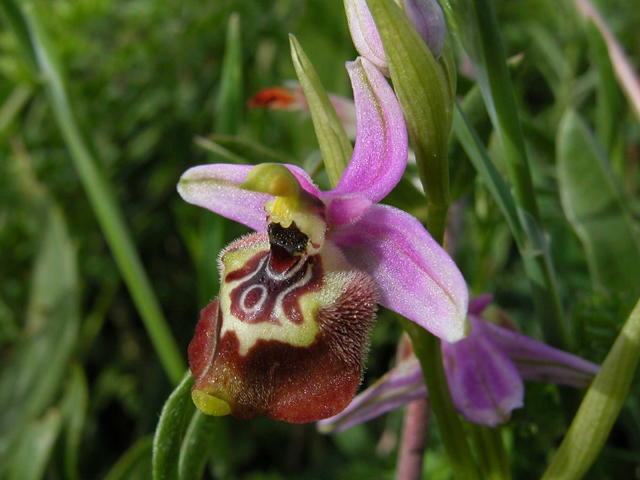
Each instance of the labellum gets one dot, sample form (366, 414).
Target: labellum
(287, 336)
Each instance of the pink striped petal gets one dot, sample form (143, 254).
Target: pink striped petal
(401, 385)
(345, 210)
(414, 275)
(380, 153)
(484, 382)
(215, 187)
(539, 362)
(365, 34)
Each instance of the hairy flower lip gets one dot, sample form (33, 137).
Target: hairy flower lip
(286, 378)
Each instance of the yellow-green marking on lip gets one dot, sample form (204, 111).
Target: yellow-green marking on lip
(210, 405)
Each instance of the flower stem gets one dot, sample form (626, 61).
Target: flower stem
(490, 451)
(427, 349)
(414, 440)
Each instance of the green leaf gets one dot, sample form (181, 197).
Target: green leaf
(35, 447)
(32, 37)
(424, 88)
(172, 425)
(230, 101)
(593, 204)
(134, 464)
(198, 445)
(334, 144)
(601, 405)
(74, 409)
(31, 379)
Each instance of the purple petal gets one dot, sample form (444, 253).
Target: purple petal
(485, 384)
(364, 33)
(428, 19)
(345, 210)
(538, 362)
(401, 385)
(480, 303)
(215, 187)
(414, 275)
(380, 154)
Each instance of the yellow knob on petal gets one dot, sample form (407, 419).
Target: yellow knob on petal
(210, 405)
(274, 179)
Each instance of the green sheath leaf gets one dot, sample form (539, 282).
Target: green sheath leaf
(334, 144)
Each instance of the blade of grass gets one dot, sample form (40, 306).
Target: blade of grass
(624, 71)
(477, 28)
(217, 149)
(601, 405)
(609, 108)
(74, 408)
(137, 453)
(499, 189)
(103, 201)
(252, 151)
(229, 102)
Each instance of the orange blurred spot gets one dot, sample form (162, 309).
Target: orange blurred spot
(272, 97)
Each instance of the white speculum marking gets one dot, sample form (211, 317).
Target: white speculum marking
(296, 332)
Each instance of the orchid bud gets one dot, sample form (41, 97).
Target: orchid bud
(425, 15)
(288, 334)
(428, 19)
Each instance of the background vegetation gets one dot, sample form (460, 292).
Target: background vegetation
(81, 385)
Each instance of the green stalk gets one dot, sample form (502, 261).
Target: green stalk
(103, 201)
(427, 348)
(425, 87)
(490, 452)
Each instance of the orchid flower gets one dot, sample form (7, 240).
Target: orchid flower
(484, 372)
(291, 98)
(287, 336)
